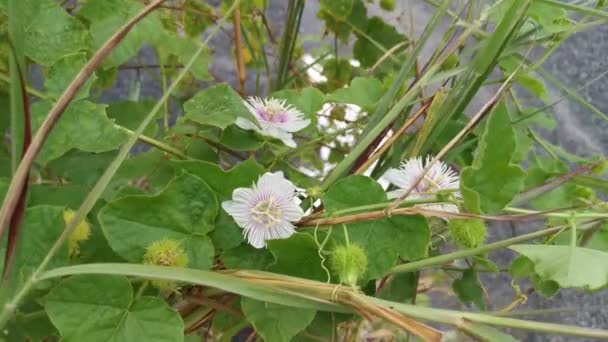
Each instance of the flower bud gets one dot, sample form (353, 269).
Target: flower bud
(468, 233)
(349, 263)
(82, 232)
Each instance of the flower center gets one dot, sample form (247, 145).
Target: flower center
(267, 212)
(426, 186)
(273, 114)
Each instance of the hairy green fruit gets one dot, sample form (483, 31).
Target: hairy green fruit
(468, 233)
(349, 263)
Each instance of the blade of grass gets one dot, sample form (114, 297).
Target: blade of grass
(19, 179)
(16, 69)
(295, 9)
(226, 282)
(298, 292)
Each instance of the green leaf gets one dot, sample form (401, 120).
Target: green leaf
(194, 22)
(82, 126)
(226, 234)
(146, 172)
(184, 49)
(3, 188)
(338, 8)
(5, 120)
(365, 92)
(402, 287)
(468, 289)
(351, 192)
(297, 256)
(217, 106)
(63, 71)
(102, 308)
(246, 257)
(522, 267)
(50, 32)
(526, 80)
(130, 114)
(69, 195)
(382, 239)
(276, 322)
(238, 139)
(185, 211)
(341, 26)
(41, 227)
(81, 168)
(492, 181)
(568, 266)
(379, 37)
(106, 17)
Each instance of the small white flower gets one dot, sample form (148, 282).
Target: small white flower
(265, 211)
(439, 178)
(275, 117)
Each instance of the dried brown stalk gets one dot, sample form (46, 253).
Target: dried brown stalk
(238, 47)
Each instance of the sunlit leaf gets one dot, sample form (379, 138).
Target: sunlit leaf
(217, 106)
(492, 181)
(84, 126)
(568, 266)
(51, 33)
(185, 211)
(364, 92)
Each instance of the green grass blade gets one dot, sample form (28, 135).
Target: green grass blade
(217, 280)
(576, 8)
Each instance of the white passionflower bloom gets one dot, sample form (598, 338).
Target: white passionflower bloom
(440, 177)
(275, 117)
(265, 211)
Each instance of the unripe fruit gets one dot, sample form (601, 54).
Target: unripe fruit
(349, 263)
(468, 233)
(387, 5)
(165, 252)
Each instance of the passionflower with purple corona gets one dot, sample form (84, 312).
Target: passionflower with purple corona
(275, 118)
(440, 177)
(266, 211)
